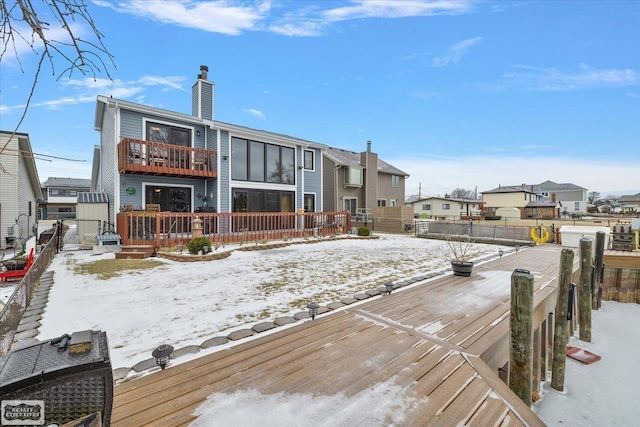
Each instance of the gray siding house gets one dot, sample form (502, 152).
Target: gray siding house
(61, 195)
(191, 163)
(358, 182)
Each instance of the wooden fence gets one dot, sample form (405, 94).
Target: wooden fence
(164, 229)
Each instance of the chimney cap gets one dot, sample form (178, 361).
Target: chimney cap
(204, 68)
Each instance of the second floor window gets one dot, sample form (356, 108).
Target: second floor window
(261, 162)
(166, 134)
(395, 180)
(446, 206)
(308, 160)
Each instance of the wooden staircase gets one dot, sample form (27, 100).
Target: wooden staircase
(135, 252)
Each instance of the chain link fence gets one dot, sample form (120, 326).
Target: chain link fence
(20, 299)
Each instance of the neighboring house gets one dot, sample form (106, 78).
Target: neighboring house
(446, 208)
(19, 187)
(61, 195)
(630, 203)
(358, 182)
(512, 196)
(546, 200)
(573, 198)
(187, 163)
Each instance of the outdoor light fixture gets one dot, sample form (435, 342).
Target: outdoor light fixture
(225, 157)
(162, 354)
(313, 310)
(198, 133)
(500, 253)
(389, 287)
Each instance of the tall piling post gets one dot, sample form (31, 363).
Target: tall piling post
(584, 289)
(521, 335)
(596, 299)
(560, 336)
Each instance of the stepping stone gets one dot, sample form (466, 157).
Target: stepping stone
(144, 365)
(335, 305)
(281, 321)
(33, 312)
(215, 341)
(190, 349)
(373, 292)
(39, 299)
(120, 373)
(361, 297)
(24, 343)
(26, 326)
(348, 300)
(31, 318)
(301, 315)
(37, 306)
(264, 326)
(323, 310)
(31, 333)
(238, 335)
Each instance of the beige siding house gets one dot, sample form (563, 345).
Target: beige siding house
(507, 197)
(446, 208)
(359, 182)
(19, 188)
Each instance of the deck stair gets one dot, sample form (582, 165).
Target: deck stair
(135, 252)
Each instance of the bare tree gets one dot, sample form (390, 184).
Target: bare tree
(461, 193)
(592, 196)
(24, 22)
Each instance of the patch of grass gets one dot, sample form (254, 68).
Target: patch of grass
(108, 268)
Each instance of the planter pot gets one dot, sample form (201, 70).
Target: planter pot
(462, 268)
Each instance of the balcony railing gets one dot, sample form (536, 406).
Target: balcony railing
(165, 229)
(155, 158)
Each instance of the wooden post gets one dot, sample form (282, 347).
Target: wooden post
(584, 290)
(560, 337)
(521, 331)
(599, 257)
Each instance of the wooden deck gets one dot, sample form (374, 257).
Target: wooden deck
(441, 342)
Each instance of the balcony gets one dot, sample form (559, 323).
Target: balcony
(155, 158)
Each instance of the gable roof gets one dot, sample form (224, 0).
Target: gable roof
(630, 198)
(351, 158)
(449, 199)
(511, 189)
(54, 181)
(553, 186)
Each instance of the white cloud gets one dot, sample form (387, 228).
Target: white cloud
(555, 79)
(455, 52)
(218, 17)
(257, 113)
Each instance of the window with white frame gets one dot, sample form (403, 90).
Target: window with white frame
(392, 202)
(350, 204)
(353, 177)
(426, 206)
(308, 160)
(446, 206)
(395, 180)
(382, 203)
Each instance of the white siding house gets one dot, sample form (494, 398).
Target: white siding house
(19, 188)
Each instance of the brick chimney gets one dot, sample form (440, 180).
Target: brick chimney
(202, 93)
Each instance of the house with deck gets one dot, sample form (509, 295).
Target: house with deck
(154, 163)
(20, 190)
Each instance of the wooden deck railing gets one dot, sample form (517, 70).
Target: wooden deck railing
(155, 158)
(164, 229)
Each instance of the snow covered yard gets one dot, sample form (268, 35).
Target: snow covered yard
(186, 303)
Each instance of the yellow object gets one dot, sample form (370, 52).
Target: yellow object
(637, 241)
(540, 234)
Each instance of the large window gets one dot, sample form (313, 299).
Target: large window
(254, 200)
(167, 134)
(353, 177)
(261, 162)
(171, 199)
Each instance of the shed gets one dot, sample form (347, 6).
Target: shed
(508, 213)
(571, 234)
(92, 215)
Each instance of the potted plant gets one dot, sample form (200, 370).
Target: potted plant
(462, 251)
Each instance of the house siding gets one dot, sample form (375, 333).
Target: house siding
(109, 162)
(8, 186)
(328, 185)
(223, 172)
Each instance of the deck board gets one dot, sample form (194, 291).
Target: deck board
(421, 338)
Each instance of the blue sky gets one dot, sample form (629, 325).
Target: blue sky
(470, 94)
